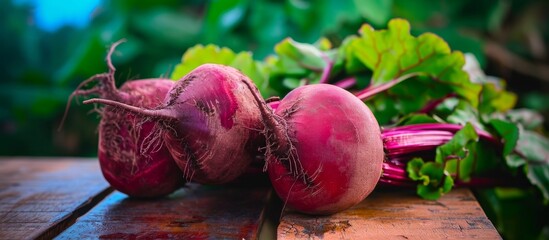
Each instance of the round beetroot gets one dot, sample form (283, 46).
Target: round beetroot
(325, 151)
(133, 159)
(209, 123)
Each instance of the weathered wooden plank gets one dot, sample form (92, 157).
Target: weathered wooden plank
(40, 197)
(195, 212)
(396, 215)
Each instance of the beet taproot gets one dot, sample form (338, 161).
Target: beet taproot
(209, 123)
(324, 149)
(133, 159)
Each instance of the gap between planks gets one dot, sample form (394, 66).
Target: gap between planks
(69, 220)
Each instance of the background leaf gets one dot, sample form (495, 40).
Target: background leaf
(378, 12)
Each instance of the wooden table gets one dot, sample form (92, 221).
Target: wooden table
(44, 198)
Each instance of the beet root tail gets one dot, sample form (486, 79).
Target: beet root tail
(153, 113)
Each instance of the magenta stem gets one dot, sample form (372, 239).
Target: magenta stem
(346, 83)
(404, 142)
(327, 70)
(450, 127)
(373, 90)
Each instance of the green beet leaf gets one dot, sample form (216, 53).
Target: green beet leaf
(413, 169)
(456, 147)
(394, 55)
(527, 118)
(532, 150)
(463, 113)
(508, 132)
(458, 155)
(242, 61)
(494, 97)
(432, 192)
(434, 181)
(305, 55)
(538, 174)
(295, 64)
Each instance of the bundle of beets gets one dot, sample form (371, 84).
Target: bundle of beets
(320, 144)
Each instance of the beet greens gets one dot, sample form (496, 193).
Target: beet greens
(443, 122)
(407, 80)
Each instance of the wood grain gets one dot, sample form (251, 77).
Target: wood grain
(195, 212)
(40, 197)
(396, 215)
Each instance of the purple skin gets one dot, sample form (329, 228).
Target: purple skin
(209, 123)
(324, 149)
(132, 160)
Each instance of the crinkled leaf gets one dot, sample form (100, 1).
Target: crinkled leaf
(416, 94)
(532, 152)
(533, 149)
(432, 192)
(439, 183)
(199, 55)
(413, 169)
(463, 113)
(353, 65)
(256, 71)
(285, 66)
(393, 53)
(306, 55)
(457, 155)
(456, 147)
(242, 61)
(538, 174)
(514, 160)
(301, 63)
(406, 98)
(508, 132)
(527, 118)
(428, 192)
(496, 99)
(434, 180)
(533, 146)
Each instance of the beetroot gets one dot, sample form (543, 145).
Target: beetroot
(209, 123)
(324, 149)
(132, 159)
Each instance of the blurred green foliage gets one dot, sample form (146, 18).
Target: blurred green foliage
(40, 69)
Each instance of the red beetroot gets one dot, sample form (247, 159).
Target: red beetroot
(324, 149)
(209, 123)
(133, 159)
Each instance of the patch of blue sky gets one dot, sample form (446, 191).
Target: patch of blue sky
(51, 15)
